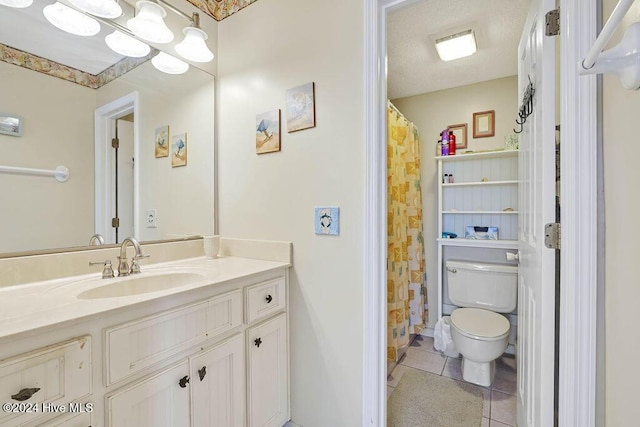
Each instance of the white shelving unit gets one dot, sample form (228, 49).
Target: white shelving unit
(484, 193)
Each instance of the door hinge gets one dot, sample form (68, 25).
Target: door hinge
(115, 222)
(552, 22)
(115, 143)
(552, 235)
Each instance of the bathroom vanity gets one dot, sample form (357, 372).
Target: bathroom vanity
(190, 342)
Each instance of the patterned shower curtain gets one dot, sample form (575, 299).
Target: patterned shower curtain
(406, 280)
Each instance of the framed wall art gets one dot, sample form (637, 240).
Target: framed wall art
(179, 150)
(301, 107)
(162, 141)
(268, 132)
(484, 124)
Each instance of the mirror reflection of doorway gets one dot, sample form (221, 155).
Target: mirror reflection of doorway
(116, 171)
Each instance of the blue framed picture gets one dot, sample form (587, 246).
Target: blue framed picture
(327, 221)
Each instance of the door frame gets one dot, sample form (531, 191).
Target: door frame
(577, 382)
(104, 188)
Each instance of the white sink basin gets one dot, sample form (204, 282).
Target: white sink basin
(140, 284)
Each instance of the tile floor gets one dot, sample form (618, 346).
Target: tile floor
(499, 409)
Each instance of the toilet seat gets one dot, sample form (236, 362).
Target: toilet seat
(480, 324)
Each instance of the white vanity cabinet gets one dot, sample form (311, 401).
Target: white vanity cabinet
(224, 372)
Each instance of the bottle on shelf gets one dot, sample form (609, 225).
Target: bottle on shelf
(445, 143)
(452, 144)
(439, 148)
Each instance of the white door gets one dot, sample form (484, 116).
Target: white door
(536, 288)
(125, 179)
(217, 385)
(267, 373)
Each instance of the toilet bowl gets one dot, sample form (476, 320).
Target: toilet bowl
(479, 332)
(480, 336)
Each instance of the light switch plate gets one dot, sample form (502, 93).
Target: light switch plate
(152, 218)
(327, 221)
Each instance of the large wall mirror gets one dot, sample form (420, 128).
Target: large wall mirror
(159, 194)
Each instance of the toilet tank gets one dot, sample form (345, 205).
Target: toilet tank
(483, 285)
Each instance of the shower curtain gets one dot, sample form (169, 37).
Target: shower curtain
(406, 280)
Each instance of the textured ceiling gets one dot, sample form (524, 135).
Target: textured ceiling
(413, 64)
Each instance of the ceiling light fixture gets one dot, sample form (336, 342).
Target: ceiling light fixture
(193, 47)
(456, 45)
(148, 23)
(70, 20)
(18, 4)
(126, 45)
(102, 8)
(169, 64)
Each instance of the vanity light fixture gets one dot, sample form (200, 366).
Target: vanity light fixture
(148, 24)
(126, 45)
(102, 8)
(18, 4)
(456, 45)
(193, 46)
(70, 20)
(169, 64)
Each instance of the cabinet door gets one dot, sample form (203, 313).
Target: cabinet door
(159, 401)
(217, 385)
(268, 373)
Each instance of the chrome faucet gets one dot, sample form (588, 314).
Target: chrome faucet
(96, 238)
(123, 265)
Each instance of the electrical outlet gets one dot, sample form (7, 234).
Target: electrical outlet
(152, 218)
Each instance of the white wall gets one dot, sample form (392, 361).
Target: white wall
(622, 203)
(265, 49)
(432, 113)
(40, 212)
(182, 196)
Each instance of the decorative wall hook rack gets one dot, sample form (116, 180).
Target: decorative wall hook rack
(526, 108)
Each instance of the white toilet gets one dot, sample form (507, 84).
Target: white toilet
(480, 334)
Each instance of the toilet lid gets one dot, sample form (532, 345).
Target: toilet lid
(479, 322)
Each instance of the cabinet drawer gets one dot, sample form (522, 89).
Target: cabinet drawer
(265, 299)
(134, 346)
(61, 373)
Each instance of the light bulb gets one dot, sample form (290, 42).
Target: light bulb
(102, 8)
(70, 20)
(18, 4)
(148, 23)
(126, 45)
(193, 46)
(169, 64)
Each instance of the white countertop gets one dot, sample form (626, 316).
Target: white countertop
(37, 305)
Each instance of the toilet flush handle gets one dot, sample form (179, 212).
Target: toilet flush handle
(452, 270)
(513, 257)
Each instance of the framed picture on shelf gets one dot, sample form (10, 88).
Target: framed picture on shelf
(460, 132)
(484, 124)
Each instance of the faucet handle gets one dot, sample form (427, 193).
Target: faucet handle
(107, 273)
(135, 267)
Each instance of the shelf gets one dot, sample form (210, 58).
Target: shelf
(480, 212)
(496, 244)
(478, 156)
(469, 184)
